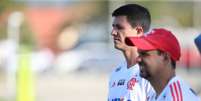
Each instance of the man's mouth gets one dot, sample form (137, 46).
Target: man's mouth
(116, 38)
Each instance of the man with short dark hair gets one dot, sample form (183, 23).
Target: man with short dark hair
(125, 82)
(158, 52)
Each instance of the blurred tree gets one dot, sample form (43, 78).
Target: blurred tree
(165, 12)
(4, 5)
(26, 36)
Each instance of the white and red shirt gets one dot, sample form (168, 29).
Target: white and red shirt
(127, 85)
(175, 90)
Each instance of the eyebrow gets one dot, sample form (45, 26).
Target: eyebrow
(117, 25)
(114, 25)
(142, 52)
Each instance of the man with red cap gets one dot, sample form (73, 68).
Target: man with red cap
(158, 52)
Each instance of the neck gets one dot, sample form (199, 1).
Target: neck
(130, 53)
(161, 80)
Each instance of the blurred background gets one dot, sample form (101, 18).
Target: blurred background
(61, 50)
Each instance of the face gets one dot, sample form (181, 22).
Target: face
(150, 62)
(121, 30)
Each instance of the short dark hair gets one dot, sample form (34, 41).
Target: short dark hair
(136, 15)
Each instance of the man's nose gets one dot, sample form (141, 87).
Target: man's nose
(114, 32)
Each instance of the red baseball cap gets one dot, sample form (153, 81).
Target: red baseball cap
(160, 39)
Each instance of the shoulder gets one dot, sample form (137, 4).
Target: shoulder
(178, 89)
(118, 69)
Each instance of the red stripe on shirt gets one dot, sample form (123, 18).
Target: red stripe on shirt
(181, 97)
(176, 90)
(171, 89)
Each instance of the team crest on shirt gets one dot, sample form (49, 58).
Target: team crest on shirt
(131, 83)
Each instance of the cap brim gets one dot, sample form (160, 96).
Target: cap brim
(140, 43)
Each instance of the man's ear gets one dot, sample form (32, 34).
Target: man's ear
(139, 30)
